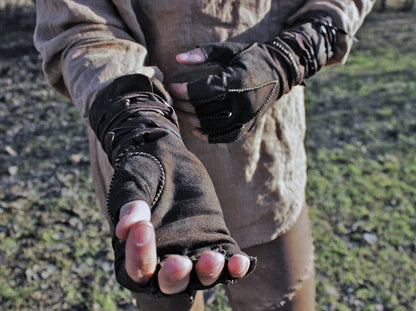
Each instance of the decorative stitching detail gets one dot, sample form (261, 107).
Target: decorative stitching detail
(287, 53)
(235, 128)
(207, 100)
(141, 154)
(159, 164)
(218, 116)
(253, 88)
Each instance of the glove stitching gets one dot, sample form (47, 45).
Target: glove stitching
(253, 87)
(239, 54)
(218, 116)
(162, 176)
(285, 51)
(160, 186)
(266, 102)
(207, 100)
(239, 126)
(108, 210)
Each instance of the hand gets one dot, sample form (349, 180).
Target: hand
(168, 211)
(136, 229)
(226, 105)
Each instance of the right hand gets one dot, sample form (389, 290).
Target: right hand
(141, 256)
(165, 209)
(161, 201)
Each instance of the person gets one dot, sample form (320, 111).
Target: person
(199, 206)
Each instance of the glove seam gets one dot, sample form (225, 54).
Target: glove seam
(160, 186)
(253, 87)
(242, 90)
(286, 52)
(159, 164)
(255, 115)
(243, 52)
(207, 100)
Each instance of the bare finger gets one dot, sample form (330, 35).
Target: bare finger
(238, 265)
(196, 56)
(174, 274)
(141, 257)
(131, 213)
(179, 90)
(184, 106)
(209, 267)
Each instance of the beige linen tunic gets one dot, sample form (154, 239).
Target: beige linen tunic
(260, 179)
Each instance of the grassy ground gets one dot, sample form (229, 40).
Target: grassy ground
(362, 164)
(54, 249)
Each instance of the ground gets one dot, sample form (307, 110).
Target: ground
(54, 243)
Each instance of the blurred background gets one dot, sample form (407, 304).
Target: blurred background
(54, 244)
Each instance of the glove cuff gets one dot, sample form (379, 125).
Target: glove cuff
(310, 43)
(129, 107)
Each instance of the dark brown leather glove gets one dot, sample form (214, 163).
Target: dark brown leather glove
(138, 130)
(256, 75)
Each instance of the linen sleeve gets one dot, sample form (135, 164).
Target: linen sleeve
(87, 44)
(349, 15)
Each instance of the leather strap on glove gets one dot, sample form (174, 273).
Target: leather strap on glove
(256, 75)
(138, 130)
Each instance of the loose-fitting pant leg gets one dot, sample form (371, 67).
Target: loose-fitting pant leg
(284, 278)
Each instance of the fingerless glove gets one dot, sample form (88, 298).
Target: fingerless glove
(255, 75)
(138, 130)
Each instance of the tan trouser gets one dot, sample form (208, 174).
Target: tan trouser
(284, 278)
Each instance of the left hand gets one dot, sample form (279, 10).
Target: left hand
(224, 106)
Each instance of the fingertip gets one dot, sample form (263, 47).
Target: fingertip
(142, 233)
(179, 91)
(182, 57)
(174, 274)
(131, 213)
(175, 87)
(196, 56)
(238, 265)
(209, 267)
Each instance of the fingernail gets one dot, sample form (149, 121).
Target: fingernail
(196, 57)
(125, 210)
(142, 235)
(184, 56)
(246, 265)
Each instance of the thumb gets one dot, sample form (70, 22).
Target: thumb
(131, 213)
(141, 257)
(193, 57)
(221, 52)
